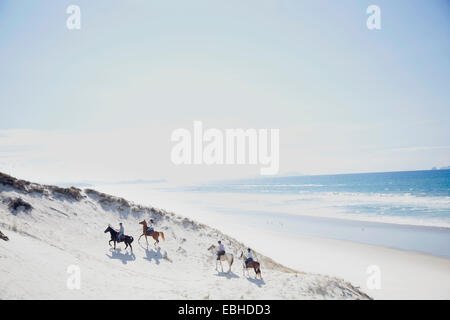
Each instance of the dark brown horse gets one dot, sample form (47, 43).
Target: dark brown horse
(155, 234)
(252, 264)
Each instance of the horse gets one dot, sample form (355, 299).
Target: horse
(155, 234)
(127, 239)
(225, 257)
(252, 264)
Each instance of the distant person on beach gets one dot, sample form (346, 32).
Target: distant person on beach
(221, 250)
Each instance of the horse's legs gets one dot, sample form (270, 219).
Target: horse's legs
(221, 265)
(128, 245)
(109, 243)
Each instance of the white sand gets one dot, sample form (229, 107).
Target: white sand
(403, 274)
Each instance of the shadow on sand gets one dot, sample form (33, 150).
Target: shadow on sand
(124, 257)
(151, 254)
(258, 282)
(228, 275)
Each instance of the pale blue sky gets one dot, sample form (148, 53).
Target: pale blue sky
(345, 98)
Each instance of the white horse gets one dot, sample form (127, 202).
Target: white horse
(225, 257)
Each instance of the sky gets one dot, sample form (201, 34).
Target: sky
(100, 103)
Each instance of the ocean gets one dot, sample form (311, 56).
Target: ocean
(412, 197)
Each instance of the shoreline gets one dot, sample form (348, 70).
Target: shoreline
(403, 274)
(434, 241)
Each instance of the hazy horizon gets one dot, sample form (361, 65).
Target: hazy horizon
(93, 183)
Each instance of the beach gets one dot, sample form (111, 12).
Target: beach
(412, 259)
(403, 274)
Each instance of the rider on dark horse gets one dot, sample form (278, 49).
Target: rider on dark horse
(249, 257)
(119, 236)
(150, 227)
(121, 232)
(221, 250)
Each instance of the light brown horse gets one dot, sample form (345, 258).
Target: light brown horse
(155, 234)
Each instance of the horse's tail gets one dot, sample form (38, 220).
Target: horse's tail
(232, 260)
(132, 239)
(162, 235)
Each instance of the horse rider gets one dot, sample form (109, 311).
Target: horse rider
(121, 232)
(249, 257)
(221, 250)
(150, 227)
